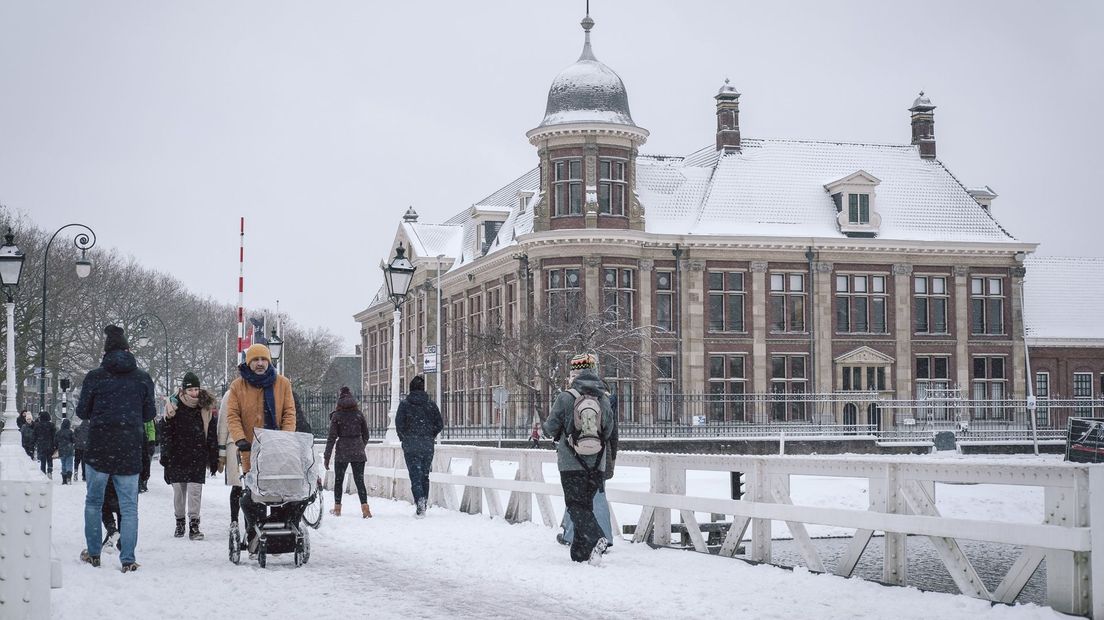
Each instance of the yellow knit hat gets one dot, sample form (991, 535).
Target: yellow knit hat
(256, 351)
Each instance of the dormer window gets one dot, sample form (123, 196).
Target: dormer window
(856, 205)
(567, 187)
(489, 232)
(611, 186)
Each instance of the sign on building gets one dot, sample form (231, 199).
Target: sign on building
(1085, 440)
(429, 359)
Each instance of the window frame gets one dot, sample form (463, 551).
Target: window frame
(567, 189)
(729, 298)
(613, 186)
(786, 301)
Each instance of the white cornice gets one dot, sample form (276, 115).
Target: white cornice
(1066, 342)
(638, 135)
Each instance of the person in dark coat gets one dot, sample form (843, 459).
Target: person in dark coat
(80, 444)
(25, 422)
(63, 439)
(116, 401)
(418, 422)
(44, 443)
(349, 430)
(189, 449)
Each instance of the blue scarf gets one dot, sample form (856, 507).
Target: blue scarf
(263, 382)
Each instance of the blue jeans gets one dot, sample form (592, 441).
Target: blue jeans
(66, 464)
(126, 487)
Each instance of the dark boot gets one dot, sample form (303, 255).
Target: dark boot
(179, 533)
(142, 486)
(193, 530)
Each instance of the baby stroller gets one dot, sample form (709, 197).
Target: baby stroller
(278, 488)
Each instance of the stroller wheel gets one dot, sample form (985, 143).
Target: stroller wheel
(235, 546)
(262, 553)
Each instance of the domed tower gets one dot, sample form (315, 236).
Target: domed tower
(587, 144)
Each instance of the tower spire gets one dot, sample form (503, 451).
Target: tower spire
(587, 24)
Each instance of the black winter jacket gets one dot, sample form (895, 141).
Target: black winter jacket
(116, 401)
(63, 439)
(44, 436)
(80, 437)
(418, 421)
(349, 430)
(188, 449)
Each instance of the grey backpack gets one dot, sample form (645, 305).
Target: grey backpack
(586, 436)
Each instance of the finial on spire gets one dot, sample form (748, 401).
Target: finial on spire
(587, 24)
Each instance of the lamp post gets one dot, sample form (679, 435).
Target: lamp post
(144, 340)
(276, 348)
(437, 340)
(11, 266)
(398, 275)
(84, 242)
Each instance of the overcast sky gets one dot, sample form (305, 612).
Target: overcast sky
(160, 123)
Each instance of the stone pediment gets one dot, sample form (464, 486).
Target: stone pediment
(864, 356)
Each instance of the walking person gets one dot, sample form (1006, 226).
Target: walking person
(418, 422)
(64, 440)
(189, 449)
(259, 398)
(44, 443)
(25, 422)
(582, 415)
(116, 401)
(534, 436)
(80, 444)
(228, 463)
(349, 430)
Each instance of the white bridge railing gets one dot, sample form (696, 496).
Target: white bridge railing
(901, 503)
(29, 567)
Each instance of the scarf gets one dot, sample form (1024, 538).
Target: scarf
(263, 382)
(188, 400)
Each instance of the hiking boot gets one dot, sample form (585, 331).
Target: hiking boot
(365, 511)
(94, 560)
(112, 542)
(193, 530)
(142, 486)
(421, 510)
(179, 533)
(598, 551)
(130, 567)
(336, 510)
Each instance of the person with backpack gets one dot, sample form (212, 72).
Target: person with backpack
(583, 417)
(417, 422)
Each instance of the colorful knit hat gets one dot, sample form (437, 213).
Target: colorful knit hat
(584, 361)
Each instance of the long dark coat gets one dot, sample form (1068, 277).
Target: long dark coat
(417, 422)
(63, 439)
(349, 430)
(80, 437)
(26, 435)
(44, 436)
(189, 446)
(116, 401)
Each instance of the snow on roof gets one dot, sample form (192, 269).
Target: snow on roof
(429, 240)
(1064, 297)
(776, 187)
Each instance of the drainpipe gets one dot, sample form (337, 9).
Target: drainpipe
(678, 252)
(811, 324)
(1031, 404)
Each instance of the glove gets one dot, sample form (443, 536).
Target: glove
(609, 468)
(243, 445)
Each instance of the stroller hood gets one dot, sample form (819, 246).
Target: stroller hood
(283, 466)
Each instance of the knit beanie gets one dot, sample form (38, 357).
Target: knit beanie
(257, 351)
(345, 401)
(115, 340)
(417, 383)
(583, 361)
(190, 380)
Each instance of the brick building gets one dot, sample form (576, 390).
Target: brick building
(756, 266)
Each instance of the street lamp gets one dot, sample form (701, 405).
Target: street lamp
(11, 266)
(276, 348)
(144, 341)
(83, 242)
(398, 275)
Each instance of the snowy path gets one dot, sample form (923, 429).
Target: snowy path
(449, 565)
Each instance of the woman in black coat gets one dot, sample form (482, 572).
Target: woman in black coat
(349, 430)
(189, 450)
(44, 443)
(26, 432)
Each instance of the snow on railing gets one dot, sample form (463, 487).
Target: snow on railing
(901, 503)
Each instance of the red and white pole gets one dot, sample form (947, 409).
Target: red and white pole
(241, 290)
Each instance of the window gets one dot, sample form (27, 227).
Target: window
(930, 304)
(788, 387)
(611, 186)
(988, 383)
(490, 231)
(457, 326)
(986, 306)
(619, 376)
(1042, 394)
(567, 187)
(853, 376)
(618, 295)
(726, 388)
(665, 302)
(665, 387)
(860, 304)
(1082, 390)
(787, 302)
(726, 301)
(494, 309)
(565, 297)
(475, 314)
(511, 309)
(858, 208)
(933, 385)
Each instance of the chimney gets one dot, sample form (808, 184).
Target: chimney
(728, 119)
(923, 126)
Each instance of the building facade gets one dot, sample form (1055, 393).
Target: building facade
(756, 275)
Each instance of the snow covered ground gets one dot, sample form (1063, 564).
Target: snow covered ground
(453, 565)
